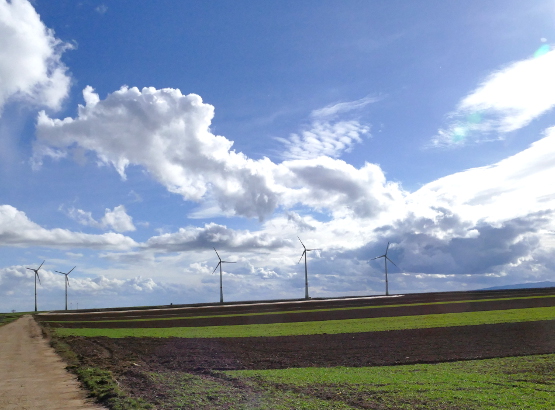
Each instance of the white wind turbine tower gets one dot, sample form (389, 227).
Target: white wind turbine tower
(305, 267)
(220, 265)
(36, 276)
(386, 258)
(67, 280)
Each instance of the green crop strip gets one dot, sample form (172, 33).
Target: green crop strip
(328, 326)
(506, 383)
(285, 312)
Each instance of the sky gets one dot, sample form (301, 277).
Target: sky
(137, 136)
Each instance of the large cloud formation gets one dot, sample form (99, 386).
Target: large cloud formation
(168, 133)
(30, 65)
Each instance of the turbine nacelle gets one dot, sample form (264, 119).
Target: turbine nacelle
(220, 262)
(67, 274)
(306, 250)
(37, 271)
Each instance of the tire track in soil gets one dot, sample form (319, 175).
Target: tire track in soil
(32, 375)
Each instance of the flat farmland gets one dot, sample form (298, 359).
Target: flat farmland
(328, 353)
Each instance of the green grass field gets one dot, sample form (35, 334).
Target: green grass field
(328, 326)
(507, 383)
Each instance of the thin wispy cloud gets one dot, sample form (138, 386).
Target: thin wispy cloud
(509, 99)
(324, 139)
(330, 133)
(333, 110)
(102, 9)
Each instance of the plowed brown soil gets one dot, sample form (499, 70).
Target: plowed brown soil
(354, 349)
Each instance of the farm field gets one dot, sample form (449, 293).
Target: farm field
(466, 350)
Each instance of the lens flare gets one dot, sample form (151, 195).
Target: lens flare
(474, 118)
(459, 133)
(544, 49)
(465, 127)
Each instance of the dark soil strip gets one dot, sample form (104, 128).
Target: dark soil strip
(322, 315)
(357, 349)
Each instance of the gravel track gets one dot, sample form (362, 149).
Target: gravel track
(32, 376)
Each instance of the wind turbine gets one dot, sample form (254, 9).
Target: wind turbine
(36, 276)
(220, 265)
(305, 267)
(386, 258)
(67, 280)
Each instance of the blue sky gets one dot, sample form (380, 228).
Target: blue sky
(136, 137)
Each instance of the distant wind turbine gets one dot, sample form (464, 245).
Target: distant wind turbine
(67, 280)
(305, 267)
(386, 258)
(36, 276)
(220, 265)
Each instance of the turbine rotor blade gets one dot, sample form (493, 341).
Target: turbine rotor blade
(36, 273)
(219, 263)
(378, 257)
(217, 254)
(391, 261)
(301, 257)
(386, 249)
(67, 280)
(41, 264)
(301, 242)
(29, 268)
(71, 270)
(228, 262)
(63, 273)
(315, 249)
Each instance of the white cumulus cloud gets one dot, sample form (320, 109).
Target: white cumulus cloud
(169, 134)
(16, 229)
(116, 219)
(30, 57)
(214, 235)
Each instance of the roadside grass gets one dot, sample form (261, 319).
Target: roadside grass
(327, 326)
(6, 318)
(507, 383)
(101, 384)
(285, 312)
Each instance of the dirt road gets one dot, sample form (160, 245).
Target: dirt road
(32, 376)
